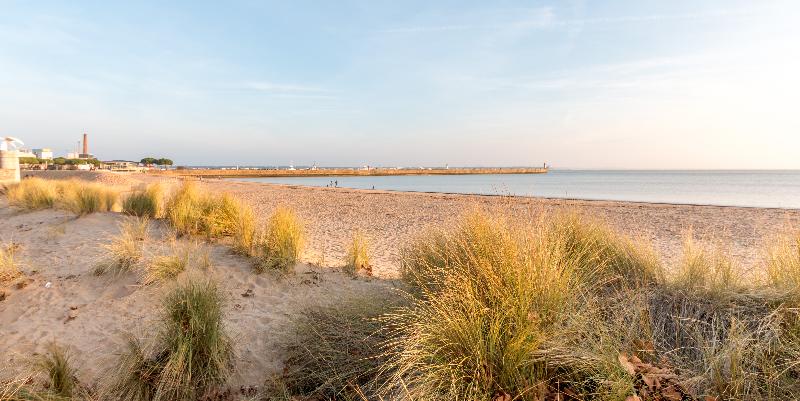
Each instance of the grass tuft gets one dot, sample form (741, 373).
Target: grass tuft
(32, 194)
(281, 242)
(357, 258)
(85, 198)
(76, 196)
(8, 266)
(783, 263)
(192, 352)
(193, 212)
(166, 267)
(55, 365)
(336, 352)
(125, 251)
(145, 202)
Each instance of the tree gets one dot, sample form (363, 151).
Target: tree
(29, 160)
(148, 161)
(60, 161)
(164, 162)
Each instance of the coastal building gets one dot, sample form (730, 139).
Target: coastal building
(43, 153)
(25, 153)
(9, 160)
(85, 154)
(122, 165)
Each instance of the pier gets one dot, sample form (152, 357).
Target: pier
(346, 172)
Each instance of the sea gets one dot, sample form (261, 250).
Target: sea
(746, 188)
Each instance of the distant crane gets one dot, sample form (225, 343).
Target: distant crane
(10, 143)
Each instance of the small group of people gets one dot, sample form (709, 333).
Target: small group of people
(333, 184)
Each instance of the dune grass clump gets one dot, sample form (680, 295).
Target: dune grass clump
(166, 267)
(783, 263)
(193, 212)
(336, 352)
(281, 242)
(124, 252)
(190, 354)
(145, 202)
(75, 196)
(56, 367)
(85, 198)
(505, 311)
(32, 194)
(8, 265)
(245, 234)
(357, 258)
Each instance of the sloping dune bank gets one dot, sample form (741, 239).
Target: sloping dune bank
(59, 298)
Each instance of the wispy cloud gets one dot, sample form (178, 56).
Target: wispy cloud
(529, 18)
(546, 18)
(289, 90)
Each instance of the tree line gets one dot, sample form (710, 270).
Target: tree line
(159, 162)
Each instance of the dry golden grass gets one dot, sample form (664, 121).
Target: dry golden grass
(357, 258)
(77, 196)
(282, 241)
(125, 252)
(193, 212)
(166, 267)
(783, 262)
(32, 194)
(8, 266)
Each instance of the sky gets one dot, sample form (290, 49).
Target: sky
(577, 84)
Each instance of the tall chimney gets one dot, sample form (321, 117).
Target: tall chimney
(85, 145)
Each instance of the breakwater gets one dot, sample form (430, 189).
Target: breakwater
(346, 172)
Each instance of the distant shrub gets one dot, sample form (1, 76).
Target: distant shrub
(357, 255)
(281, 242)
(145, 202)
(190, 354)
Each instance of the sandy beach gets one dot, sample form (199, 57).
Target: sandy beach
(94, 314)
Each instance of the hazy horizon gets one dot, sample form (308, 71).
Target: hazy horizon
(578, 85)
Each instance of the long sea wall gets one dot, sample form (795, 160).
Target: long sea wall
(345, 172)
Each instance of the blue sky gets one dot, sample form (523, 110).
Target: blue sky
(600, 84)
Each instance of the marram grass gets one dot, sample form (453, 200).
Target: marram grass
(190, 354)
(166, 267)
(357, 258)
(77, 196)
(8, 265)
(56, 367)
(281, 242)
(145, 202)
(548, 309)
(194, 212)
(125, 251)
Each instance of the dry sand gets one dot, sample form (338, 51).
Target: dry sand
(94, 314)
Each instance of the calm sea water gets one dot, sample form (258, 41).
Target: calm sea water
(725, 188)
